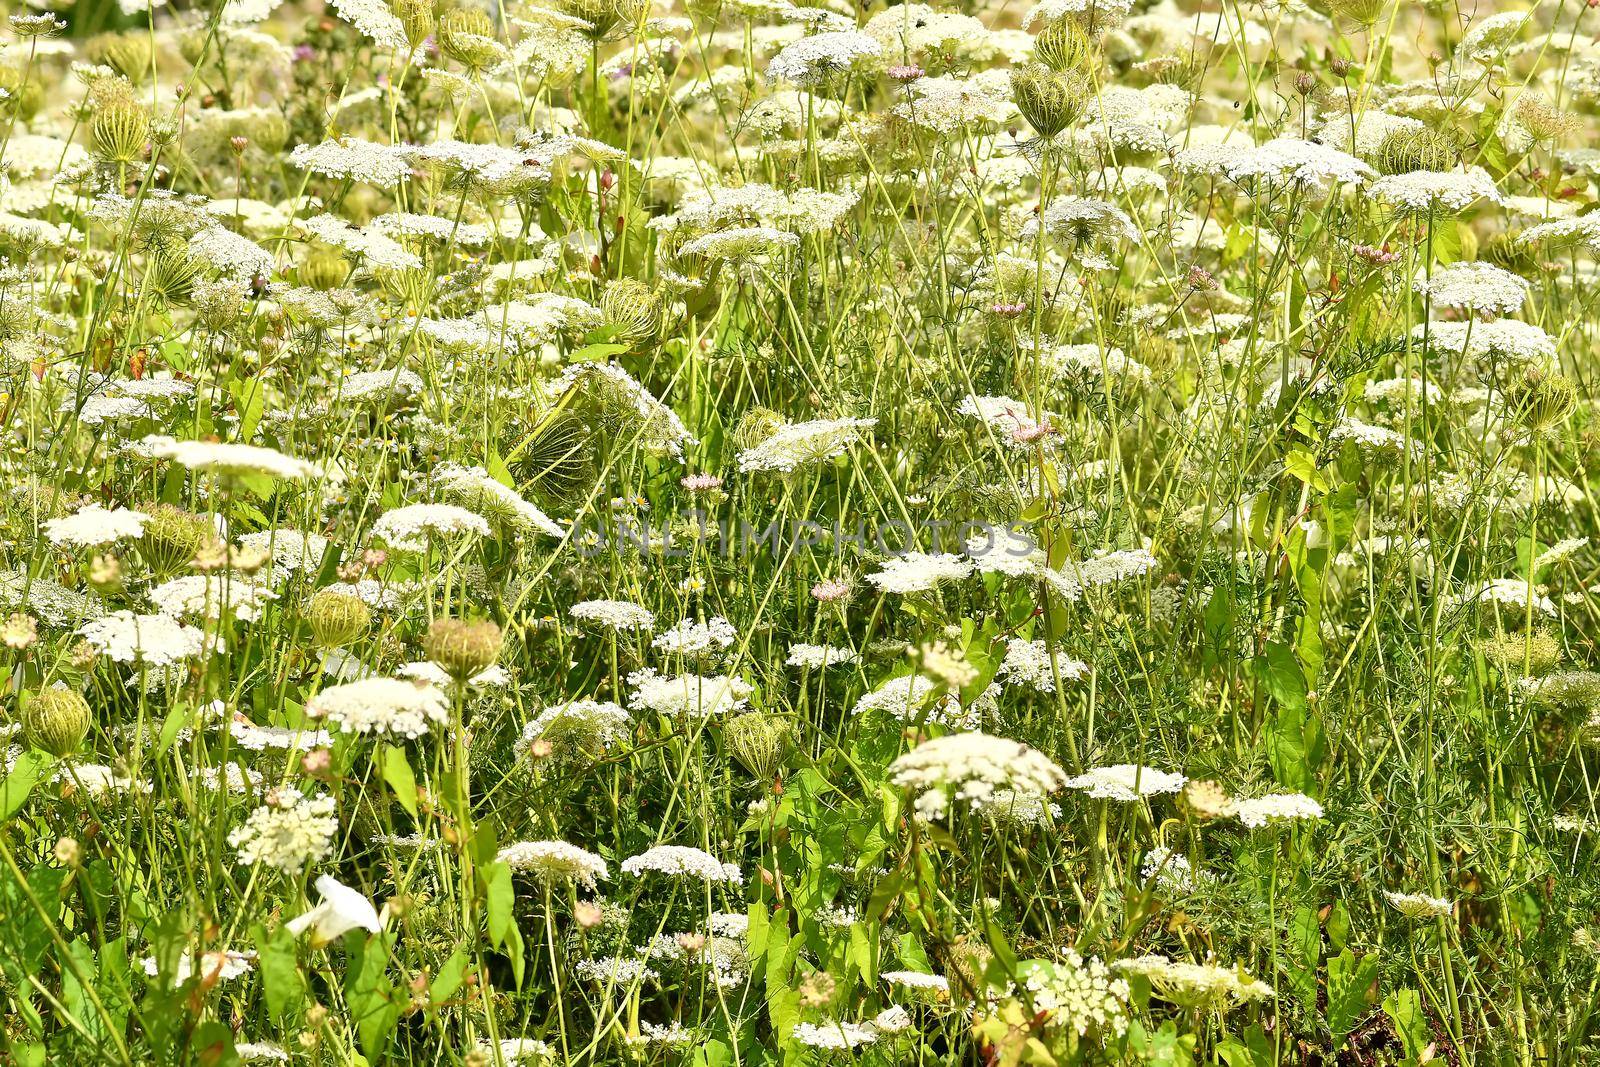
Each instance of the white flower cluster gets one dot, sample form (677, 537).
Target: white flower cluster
(1418, 905)
(287, 832)
(906, 698)
(919, 572)
(211, 596)
(681, 861)
(146, 640)
(797, 444)
(818, 657)
(600, 721)
(691, 638)
(1125, 782)
(485, 496)
(692, 696)
(969, 767)
(1276, 808)
(227, 459)
(1079, 995)
(820, 55)
(1031, 663)
(1202, 986)
(94, 525)
(1429, 192)
(553, 860)
(1481, 287)
(614, 614)
(381, 706)
(412, 527)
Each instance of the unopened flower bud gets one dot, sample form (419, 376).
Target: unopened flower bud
(56, 721)
(337, 619)
(461, 647)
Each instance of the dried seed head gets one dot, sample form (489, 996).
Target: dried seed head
(462, 647)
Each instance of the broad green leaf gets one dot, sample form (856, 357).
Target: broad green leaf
(500, 896)
(281, 982)
(397, 773)
(26, 773)
(1349, 980)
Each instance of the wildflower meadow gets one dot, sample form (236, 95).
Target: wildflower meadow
(771, 533)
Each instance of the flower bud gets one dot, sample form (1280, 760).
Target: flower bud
(171, 538)
(461, 647)
(1049, 100)
(758, 741)
(337, 619)
(56, 721)
(1542, 399)
(1063, 46)
(632, 309)
(417, 18)
(1404, 151)
(120, 130)
(466, 35)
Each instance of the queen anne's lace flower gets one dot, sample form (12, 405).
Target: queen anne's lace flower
(1418, 905)
(554, 859)
(94, 525)
(147, 640)
(494, 500)
(797, 444)
(1125, 782)
(818, 657)
(1030, 663)
(414, 526)
(917, 572)
(287, 832)
(682, 861)
(1483, 287)
(813, 58)
(614, 614)
(969, 768)
(691, 638)
(1276, 808)
(1201, 986)
(211, 596)
(384, 706)
(227, 459)
(687, 695)
(904, 698)
(1428, 192)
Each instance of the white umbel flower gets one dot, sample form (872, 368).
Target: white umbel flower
(474, 487)
(94, 525)
(1125, 782)
(1276, 808)
(383, 706)
(685, 862)
(551, 860)
(1482, 287)
(1418, 905)
(210, 596)
(287, 832)
(687, 695)
(918, 572)
(614, 614)
(227, 459)
(147, 640)
(969, 768)
(410, 528)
